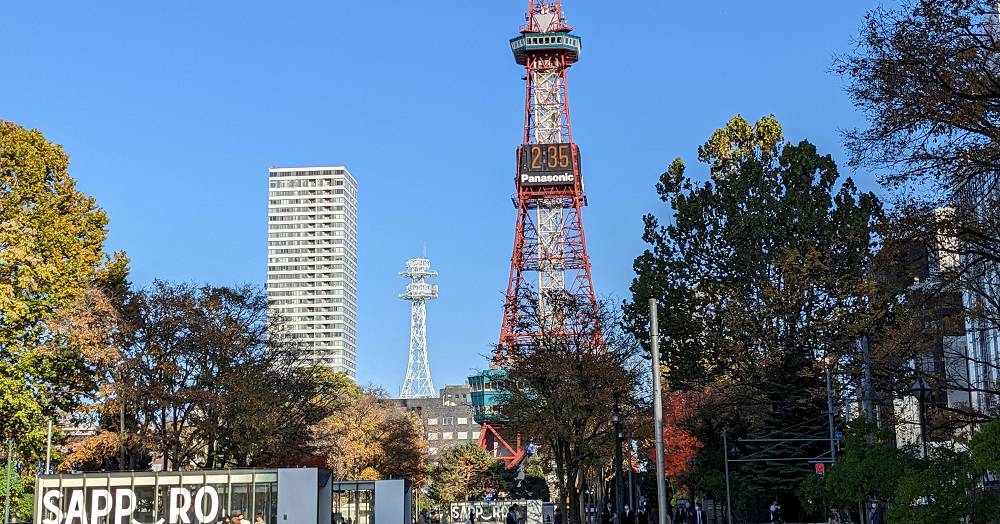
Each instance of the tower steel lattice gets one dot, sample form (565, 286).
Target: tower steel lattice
(548, 238)
(418, 382)
(550, 290)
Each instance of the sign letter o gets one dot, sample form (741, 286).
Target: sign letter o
(213, 497)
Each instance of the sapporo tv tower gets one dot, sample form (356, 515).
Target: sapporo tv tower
(548, 239)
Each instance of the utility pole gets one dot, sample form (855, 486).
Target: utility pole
(661, 481)
(616, 419)
(631, 485)
(6, 501)
(866, 385)
(121, 436)
(48, 449)
(829, 407)
(729, 502)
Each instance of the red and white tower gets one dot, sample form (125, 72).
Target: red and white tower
(550, 282)
(550, 290)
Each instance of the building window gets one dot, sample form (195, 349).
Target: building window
(432, 422)
(462, 420)
(475, 435)
(433, 436)
(448, 435)
(448, 421)
(463, 435)
(433, 451)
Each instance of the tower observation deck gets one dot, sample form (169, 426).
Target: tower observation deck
(550, 291)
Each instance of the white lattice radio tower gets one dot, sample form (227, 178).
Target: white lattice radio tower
(418, 382)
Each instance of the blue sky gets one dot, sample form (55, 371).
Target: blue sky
(173, 111)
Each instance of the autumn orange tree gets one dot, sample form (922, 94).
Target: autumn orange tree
(368, 438)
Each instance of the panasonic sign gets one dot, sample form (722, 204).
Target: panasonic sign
(540, 180)
(119, 504)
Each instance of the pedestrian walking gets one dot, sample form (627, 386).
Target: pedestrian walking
(628, 516)
(512, 515)
(608, 515)
(682, 514)
(776, 513)
(697, 516)
(878, 514)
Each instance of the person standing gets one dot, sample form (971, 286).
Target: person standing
(608, 515)
(878, 514)
(776, 513)
(512, 515)
(697, 516)
(628, 516)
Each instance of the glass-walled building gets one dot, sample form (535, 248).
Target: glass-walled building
(279, 496)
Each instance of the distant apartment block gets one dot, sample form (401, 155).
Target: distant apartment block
(312, 260)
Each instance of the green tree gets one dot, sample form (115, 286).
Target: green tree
(985, 447)
(945, 489)
(206, 379)
(870, 468)
(532, 486)
(761, 273)
(463, 472)
(51, 254)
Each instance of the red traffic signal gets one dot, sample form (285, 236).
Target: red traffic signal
(820, 468)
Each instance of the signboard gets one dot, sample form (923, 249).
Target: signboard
(117, 506)
(548, 164)
(528, 512)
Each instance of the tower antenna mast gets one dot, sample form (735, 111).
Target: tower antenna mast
(418, 382)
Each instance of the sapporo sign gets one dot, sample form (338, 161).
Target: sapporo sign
(119, 503)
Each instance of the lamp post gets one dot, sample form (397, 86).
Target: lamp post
(726, 451)
(661, 480)
(692, 462)
(616, 421)
(6, 503)
(920, 389)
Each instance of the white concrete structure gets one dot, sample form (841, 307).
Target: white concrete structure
(312, 260)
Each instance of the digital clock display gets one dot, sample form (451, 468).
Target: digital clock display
(548, 164)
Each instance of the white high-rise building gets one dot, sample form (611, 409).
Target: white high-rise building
(312, 260)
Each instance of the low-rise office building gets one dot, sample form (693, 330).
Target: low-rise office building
(447, 419)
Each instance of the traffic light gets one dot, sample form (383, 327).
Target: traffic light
(820, 468)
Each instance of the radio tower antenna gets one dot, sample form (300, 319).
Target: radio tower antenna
(418, 382)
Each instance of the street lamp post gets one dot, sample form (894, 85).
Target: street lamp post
(729, 502)
(661, 480)
(6, 503)
(920, 389)
(616, 420)
(692, 462)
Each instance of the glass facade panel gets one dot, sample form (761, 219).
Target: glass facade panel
(241, 499)
(144, 495)
(353, 503)
(265, 502)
